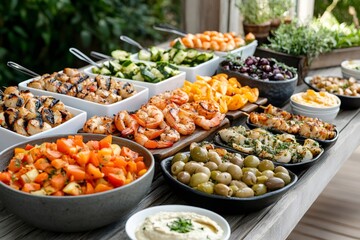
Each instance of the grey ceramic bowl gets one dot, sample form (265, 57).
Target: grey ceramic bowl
(76, 213)
(278, 93)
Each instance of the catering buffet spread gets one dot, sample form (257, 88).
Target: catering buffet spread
(128, 115)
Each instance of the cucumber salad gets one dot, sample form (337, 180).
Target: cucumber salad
(178, 55)
(125, 68)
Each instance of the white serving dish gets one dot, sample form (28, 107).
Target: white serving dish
(327, 116)
(244, 51)
(138, 218)
(207, 68)
(313, 108)
(9, 138)
(154, 88)
(347, 69)
(131, 104)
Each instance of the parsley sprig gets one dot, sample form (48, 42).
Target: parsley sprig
(181, 225)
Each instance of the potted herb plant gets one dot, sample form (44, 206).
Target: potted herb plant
(279, 9)
(298, 45)
(256, 17)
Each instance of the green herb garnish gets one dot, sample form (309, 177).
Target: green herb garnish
(181, 225)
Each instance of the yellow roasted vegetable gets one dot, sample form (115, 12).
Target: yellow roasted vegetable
(227, 92)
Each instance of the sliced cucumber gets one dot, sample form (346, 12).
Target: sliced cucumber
(120, 54)
(144, 55)
(179, 57)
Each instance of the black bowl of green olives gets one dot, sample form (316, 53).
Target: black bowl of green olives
(224, 181)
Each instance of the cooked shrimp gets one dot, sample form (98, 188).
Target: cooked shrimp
(37, 125)
(169, 134)
(149, 116)
(206, 124)
(100, 125)
(178, 96)
(207, 108)
(125, 123)
(159, 101)
(179, 120)
(143, 140)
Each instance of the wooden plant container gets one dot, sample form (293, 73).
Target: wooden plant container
(335, 57)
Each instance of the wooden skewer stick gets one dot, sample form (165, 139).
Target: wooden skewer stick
(246, 114)
(263, 107)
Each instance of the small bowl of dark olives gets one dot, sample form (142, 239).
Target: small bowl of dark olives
(224, 180)
(275, 80)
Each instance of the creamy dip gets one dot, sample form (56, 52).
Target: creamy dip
(178, 226)
(316, 99)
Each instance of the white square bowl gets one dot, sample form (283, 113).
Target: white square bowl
(207, 68)
(9, 138)
(154, 88)
(244, 51)
(131, 104)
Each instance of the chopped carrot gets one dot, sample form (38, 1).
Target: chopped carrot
(102, 188)
(58, 163)
(94, 171)
(105, 142)
(77, 172)
(58, 181)
(5, 177)
(41, 164)
(41, 177)
(29, 187)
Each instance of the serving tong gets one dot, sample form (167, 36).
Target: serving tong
(169, 29)
(22, 69)
(83, 56)
(133, 42)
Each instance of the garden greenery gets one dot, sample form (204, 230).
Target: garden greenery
(38, 33)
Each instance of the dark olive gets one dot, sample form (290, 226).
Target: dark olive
(266, 165)
(180, 157)
(177, 167)
(198, 178)
(244, 193)
(199, 154)
(274, 183)
(184, 177)
(251, 161)
(206, 187)
(259, 189)
(249, 178)
(283, 176)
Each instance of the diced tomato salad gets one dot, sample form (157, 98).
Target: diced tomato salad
(72, 167)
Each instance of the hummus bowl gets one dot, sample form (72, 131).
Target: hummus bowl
(76, 213)
(135, 221)
(222, 204)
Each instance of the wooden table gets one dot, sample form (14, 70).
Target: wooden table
(274, 222)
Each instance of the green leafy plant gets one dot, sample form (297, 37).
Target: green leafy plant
(302, 40)
(254, 11)
(279, 7)
(38, 33)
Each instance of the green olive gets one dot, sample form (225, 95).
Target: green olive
(184, 177)
(224, 166)
(239, 184)
(235, 171)
(245, 193)
(251, 169)
(191, 166)
(259, 189)
(268, 173)
(206, 187)
(198, 178)
(177, 167)
(283, 176)
(249, 178)
(234, 189)
(204, 170)
(214, 157)
(224, 178)
(261, 179)
(222, 189)
(199, 154)
(183, 157)
(281, 169)
(266, 165)
(237, 160)
(251, 161)
(211, 165)
(214, 174)
(274, 183)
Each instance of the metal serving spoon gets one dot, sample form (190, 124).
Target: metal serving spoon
(83, 57)
(169, 28)
(22, 69)
(100, 55)
(133, 42)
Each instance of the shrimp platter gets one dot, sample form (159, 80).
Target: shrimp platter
(161, 121)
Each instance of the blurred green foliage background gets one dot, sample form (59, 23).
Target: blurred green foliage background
(341, 11)
(38, 33)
